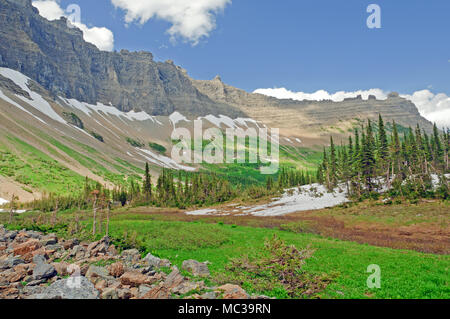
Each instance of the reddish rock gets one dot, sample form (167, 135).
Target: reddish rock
(134, 292)
(112, 251)
(135, 279)
(61, 268)
(115, 285)
(91, 246)
(101, 284)
(16, 277)
(233, 292)
(22, 235)
(116, 269)
(26, 247)
(100, 249)
(124, 293)
(83, 269)
(69, 244)
(174, 280)
(26, 269)
(9, 293)
(158, 292)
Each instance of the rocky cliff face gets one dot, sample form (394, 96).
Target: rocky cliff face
(59, 59)
(304, 117)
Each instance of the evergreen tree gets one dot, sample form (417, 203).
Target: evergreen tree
(147, 182)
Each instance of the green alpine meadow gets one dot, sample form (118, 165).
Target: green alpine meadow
(130, 170)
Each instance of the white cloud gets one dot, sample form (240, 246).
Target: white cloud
(321, 95)
(191, 20)
(49, 9)
(103, 38)
(433, 107)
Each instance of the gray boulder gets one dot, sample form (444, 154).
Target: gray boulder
(196, 268)
(79, 252)
(70, 288)
(131, 255)
(155, 262)
(98, 272)
(110, 293)
(10, 262)
(39, 259)
(42, 270)
(10, 235)
(56, 247)
(50, 239)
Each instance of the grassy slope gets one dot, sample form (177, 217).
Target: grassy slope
(33, 168)
(36, 169)
(41, 171)
(405, 274)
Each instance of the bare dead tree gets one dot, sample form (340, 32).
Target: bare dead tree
(12, 208)
(55, 211)
(108, 213)
(94, 207)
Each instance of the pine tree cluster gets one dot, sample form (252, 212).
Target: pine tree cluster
(374, 162)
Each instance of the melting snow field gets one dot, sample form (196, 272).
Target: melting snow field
(164, 161)
(37, 101)
(88, 109)
(4, 201)
(308, 197)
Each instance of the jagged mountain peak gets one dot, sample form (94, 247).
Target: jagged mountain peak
(59, 59)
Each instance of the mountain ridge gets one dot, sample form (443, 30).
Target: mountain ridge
(58, 58)
(310, 117)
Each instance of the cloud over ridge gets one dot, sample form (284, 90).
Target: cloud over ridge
(102, 38)
(321, 95)
(433, 107)
(191, 20)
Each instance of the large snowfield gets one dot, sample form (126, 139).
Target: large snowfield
(303, 198)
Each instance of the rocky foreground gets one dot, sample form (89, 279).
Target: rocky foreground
(38, 266)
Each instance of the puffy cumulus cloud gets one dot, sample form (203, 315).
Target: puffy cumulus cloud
(103, 38)
(191, 20)
(321, 95)
(433, 107)
(49, 9)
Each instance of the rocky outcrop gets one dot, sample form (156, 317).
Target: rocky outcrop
(69, 288)
(67, 269)
(196, 268)
(298, 117)
(58, 58)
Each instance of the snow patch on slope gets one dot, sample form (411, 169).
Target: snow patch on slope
(88, 109)
(37, 101)
(202, 212)
(217, 121)
(3, 201)
(164, 161)
(177, 117)
(303, 198)
(7, 99)
(229, 122)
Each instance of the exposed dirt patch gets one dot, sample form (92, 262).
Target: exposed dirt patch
(9, 187)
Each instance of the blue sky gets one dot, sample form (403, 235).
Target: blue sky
(302, 45)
